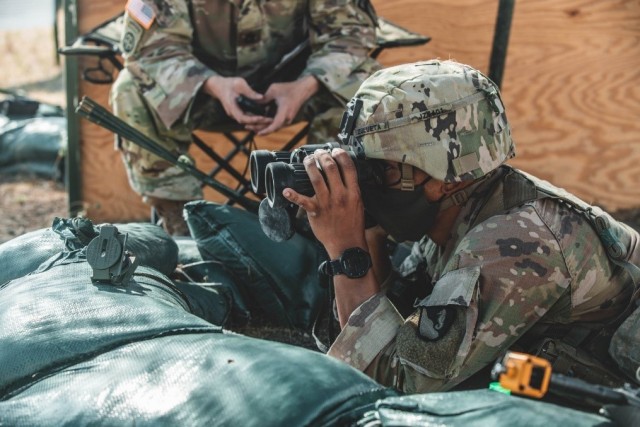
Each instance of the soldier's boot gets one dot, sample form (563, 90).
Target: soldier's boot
(170, 214)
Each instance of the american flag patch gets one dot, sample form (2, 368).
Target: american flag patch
(141, 12)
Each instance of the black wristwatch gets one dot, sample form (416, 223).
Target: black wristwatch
(353, 263)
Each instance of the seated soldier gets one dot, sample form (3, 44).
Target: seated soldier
(186, 63)
(501, 258)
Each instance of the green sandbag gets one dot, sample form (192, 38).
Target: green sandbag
(33, 145)
(77, 353)
(57, 316)
(479, 408)
(624, 347)
(278, 280)
(152, 246)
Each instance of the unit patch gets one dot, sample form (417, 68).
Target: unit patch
(131, 37)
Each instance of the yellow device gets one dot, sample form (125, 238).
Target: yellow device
(524, 374)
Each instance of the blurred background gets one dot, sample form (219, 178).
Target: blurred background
(29, 59)
(30, 195)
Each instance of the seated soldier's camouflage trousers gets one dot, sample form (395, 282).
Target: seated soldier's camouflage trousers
(150, 176)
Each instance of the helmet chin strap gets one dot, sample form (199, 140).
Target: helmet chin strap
(406, 177)
(461, 196)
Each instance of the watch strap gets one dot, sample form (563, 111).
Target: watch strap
(332, 267)
(335, 266)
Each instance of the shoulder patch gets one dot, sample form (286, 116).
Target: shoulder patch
(141, 12)
(131, 36)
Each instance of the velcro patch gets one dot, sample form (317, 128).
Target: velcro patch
(435, 322)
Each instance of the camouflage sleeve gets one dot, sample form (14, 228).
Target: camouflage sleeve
(161, 59)
(341, 33)
(369, 329)
(503, 277)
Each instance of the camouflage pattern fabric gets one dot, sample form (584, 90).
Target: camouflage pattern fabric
(190, 41)
(442, 117)
(500, 274)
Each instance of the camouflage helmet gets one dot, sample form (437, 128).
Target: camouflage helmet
(442, 117)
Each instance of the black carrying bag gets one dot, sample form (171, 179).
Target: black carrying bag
(77, 353)
(188, 252)
(151, 245)
(201, 277)
(277, 280)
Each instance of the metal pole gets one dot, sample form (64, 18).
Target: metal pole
(72, 164)
(501, 40)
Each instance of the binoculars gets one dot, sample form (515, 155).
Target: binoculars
(273, 171)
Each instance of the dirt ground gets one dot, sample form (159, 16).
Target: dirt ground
(29, 203)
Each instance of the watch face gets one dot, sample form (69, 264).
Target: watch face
(355, 262)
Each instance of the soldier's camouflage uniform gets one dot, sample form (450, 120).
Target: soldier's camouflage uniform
(190, 41)
(507, 265)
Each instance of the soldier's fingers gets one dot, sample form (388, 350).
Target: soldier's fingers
(256, 127)
(253, 95)
(246, 90)
(305, 202)
(258, 120)
(249, 119)
(238, 115)
(316, 178)
(331, 170)
(347, 168)
(271, 93)
(277, 123)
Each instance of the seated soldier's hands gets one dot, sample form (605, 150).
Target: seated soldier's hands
(226, 90)
(289, 97)
(335, 212)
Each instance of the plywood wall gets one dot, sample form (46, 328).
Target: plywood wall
(571, 86)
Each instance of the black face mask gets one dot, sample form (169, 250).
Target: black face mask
(405, 215)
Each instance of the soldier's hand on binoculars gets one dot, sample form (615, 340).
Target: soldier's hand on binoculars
(335, 212)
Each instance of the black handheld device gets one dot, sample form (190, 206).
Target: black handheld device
(248, 105)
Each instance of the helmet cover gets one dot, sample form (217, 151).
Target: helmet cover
(442, 117)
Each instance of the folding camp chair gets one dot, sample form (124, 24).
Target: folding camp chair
(103, 43)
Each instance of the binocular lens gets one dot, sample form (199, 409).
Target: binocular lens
(258, 161)
(279, 175)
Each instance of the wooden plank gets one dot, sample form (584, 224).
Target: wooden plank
(571, 90)
(106, 194)
(570, 85)
(460, 30)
